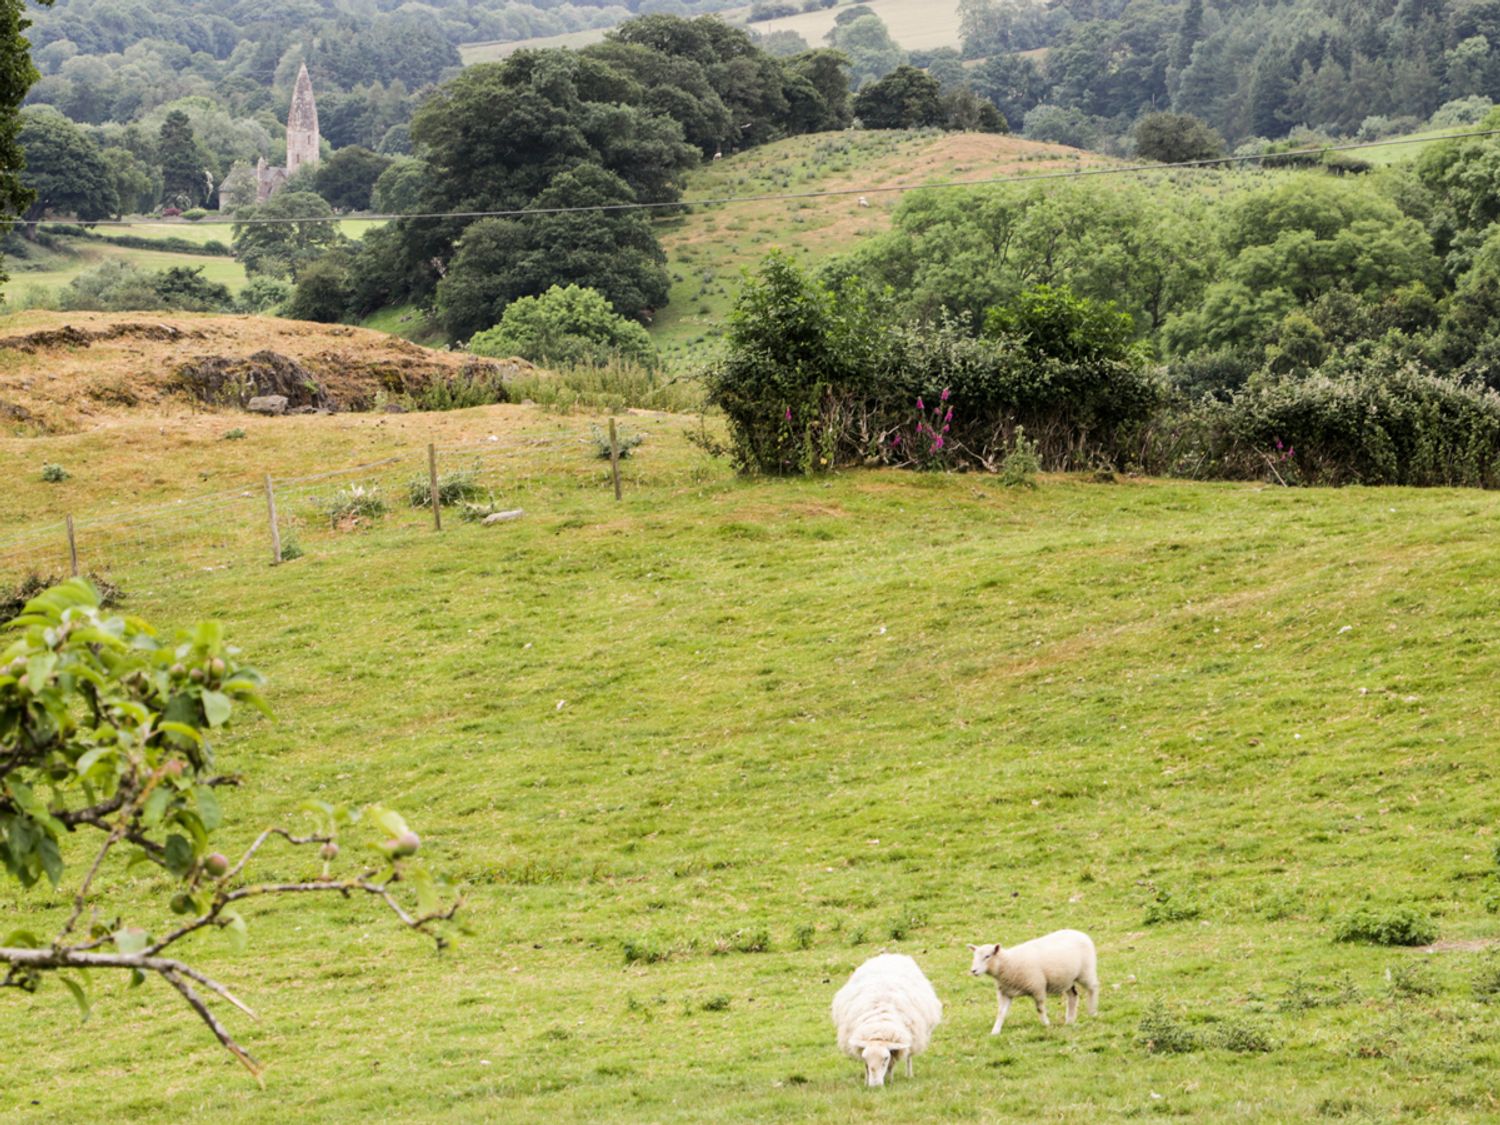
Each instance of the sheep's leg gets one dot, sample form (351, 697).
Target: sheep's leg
(1041, 1008)
(1072, 999)
(1093, 987)
(1000, 1018)
(908, 1064)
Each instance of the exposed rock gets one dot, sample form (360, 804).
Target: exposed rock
(227, 381)
(503, 517)
(267, 404)
(69, 337)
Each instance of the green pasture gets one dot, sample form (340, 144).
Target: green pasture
(52, 270)
(917, 25)
(697, 755)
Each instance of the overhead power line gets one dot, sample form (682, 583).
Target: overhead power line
(791, 197)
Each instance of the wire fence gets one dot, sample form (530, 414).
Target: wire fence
(278, 518)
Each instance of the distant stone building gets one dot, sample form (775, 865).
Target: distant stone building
(302, 141)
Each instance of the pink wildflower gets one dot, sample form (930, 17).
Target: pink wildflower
(945, 394)
(949, 416)
(788, 413)
(920, 405)
(938, 444)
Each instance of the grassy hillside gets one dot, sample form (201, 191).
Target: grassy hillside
(698, 755)
(708, 249)
(917, 25)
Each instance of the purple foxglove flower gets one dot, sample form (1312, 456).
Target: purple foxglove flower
(945, 394)
(949, 416)
(920, 404)
(788, 413)
(938, 444)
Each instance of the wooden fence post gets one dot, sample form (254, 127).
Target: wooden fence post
(437, 507)
(72, 548)
(275, 529)
(614, 457)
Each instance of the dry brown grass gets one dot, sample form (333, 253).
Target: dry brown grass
(70, 372)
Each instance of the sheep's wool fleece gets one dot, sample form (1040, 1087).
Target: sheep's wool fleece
(886, 1000)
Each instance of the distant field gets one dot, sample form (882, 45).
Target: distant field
(918, 25)
(55, 270)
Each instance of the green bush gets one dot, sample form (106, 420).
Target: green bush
(1169, 907)
(352, 503)
(1487, 981)
(1399, 925)
(818, 375)
(567, 326)
(1243, 1038)
(1021, 464)
(626, 442)
(54, 474)
(1161, 1033)
(453, 487)
(262, 295)
(472, 385)
(1404, 426)
(1411, 980)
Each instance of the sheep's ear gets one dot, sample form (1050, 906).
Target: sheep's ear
(973, 949)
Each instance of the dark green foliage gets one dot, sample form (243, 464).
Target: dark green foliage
(906, 98)
(348, 177)
(16, 76)
(1382, 425)
(323, 290)
(185, 287)
(184, 165)
(284, 234)
(1400, 925)
(1175, 138)
(817, 375)
(65, 170)
(502, 260)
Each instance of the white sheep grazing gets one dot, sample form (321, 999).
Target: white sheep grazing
(1060, 963)
(885, 1012)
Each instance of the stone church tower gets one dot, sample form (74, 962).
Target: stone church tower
(302, 141)
(302, 126)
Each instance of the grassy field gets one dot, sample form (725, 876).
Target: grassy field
(52, 271)
(917, 25)
(698, 755)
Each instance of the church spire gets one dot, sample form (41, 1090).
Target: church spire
(302, 138)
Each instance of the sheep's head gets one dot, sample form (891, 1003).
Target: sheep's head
(983, 955)
(878, 1057)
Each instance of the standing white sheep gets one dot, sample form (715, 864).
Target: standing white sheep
(885, 1012)
(1060, 963)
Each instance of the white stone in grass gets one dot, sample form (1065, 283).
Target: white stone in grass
(503, 517)
(267, 404)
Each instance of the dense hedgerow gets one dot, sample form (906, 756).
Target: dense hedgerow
(817, 375)
(820, 374)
